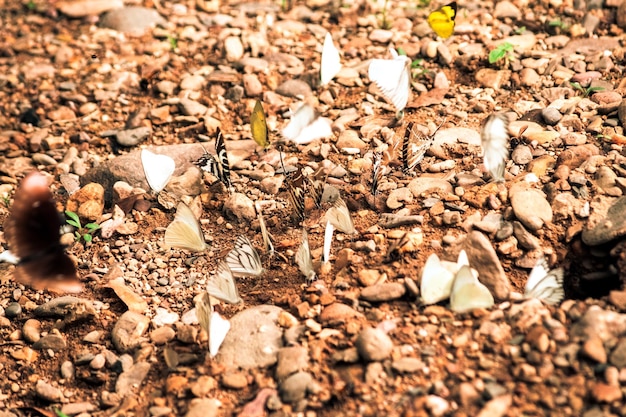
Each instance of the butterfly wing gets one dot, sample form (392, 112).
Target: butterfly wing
(185, 231)
(244, 260)
(304, 116)
(304, 259)
(295, 190)
(32, 232)
(157, 168)
(222, 155)
(204, 309)
(219, 329)
(392, 76)
(436, 283)
(544, 284)
(494, 140)
(267, 241)
(468, 293)
(331, 62)
(442, 20)
(222, 285)
(339, 216)
(258, 126)
(318, 129)
(377, 172)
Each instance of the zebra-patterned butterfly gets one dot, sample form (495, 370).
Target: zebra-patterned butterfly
(219, 167)
(377, 171)
(415, 146)
(545, 284)
(244, 260)
(296, 190)
(304, 259)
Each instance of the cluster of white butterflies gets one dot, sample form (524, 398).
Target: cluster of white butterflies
(458, 282)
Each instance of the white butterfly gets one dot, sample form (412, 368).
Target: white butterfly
(544, 284)
(157, 168)
(222, 285)
(215, 326)
(468, 293)
(339, 216)
(331, 62)
(393, 78)
(304, 259)
(328, 240)
(437, 279)
(267, 241)
(306, 125)
(243, 260)
(495, 140)
(185, 232)
(8, 257)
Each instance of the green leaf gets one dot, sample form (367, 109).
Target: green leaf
(87, 237)
(401, 51)
(73, 219)
(92, 227)
(60, 413)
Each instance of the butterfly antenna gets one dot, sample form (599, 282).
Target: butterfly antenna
(282, 164)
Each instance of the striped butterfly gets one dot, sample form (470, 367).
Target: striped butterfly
(317, 183)
(415, 146)
(243, 260)
(258, 126)
(495, 140)
(339, 216)
(215, 326)
(185, 232)
(304, 259)
(377, 172)
(545, 284)
(296, 190)
(222, 285)
(208, 163)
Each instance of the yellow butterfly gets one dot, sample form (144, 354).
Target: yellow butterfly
(442, 20)
(258, 126)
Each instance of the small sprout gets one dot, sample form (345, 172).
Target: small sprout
(6, 200)
(585, 91)
(384, 23)
(173, 42)
(503, 52)
(59, 413)
(86, 232)
(417, 68)
(520, 30)
(31, 5)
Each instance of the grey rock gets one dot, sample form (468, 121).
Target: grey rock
(67, 370)
(254, 338)
(605, 324)
(618, 355)
(291, 360)
(522, 155)
(294, 88)
(531, 208)
(294, 388)
(240, 206)
(373, 344)
(482, 257)
(603, 227)
(252, 86)
(133, 19)
(12, 310)
(132, 378)
(128, 332)
(53, 340)
(73, 409)
(525, 238)
(190, 107)
(551, 115)
(68, 308)
(132, 137)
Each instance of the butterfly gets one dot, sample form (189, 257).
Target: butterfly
(208, 163)
(339, 216)
(243, 260)
(295, 190)
(317, 183)
(267, 242)
(495, 139)
(442, 20)
(222, 285)
(545, 284)
(393, 78)
(185, 232)
(412, 152)
(437, 279)
(32, 232)
(328, 240)
(215, 326)
(258, 126)
(157, 168)
(377, 172)
(306, 125)
(331, 62)
(468, 293)
(304, 259)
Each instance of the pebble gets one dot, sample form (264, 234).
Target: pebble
(128, 332)
(132, 137)
(132, 19)
(522, 155)
(258, 327)
(483, 258)
(531, 208)
(387, 291)
(604, 393)
(240, 206)
(407, 365)
(594, 349)
(47, 392)
(618, 355)
(234, 380)
(67, 370)
(53, 341)
(132, 378)
(436, 405)
(373, 345)
(162, 335)
(203, 407)
(73, 409)
(294, 388)
(551, 115)
(337, 313)
(13, 310)
(604, 227)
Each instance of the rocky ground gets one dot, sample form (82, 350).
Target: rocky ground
(83, 90)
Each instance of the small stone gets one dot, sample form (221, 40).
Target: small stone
(162, 335)
(47, 392)
(593, 348)
(128, 332)
(373, 344)
(383, 292)
(53, 340)
(522, 155)
(604, 393)
(531, 208)
(203, 407)
(98, 362)
(132, 378)
(294, 388)
(408, 365)
(436, 405)
(234, 380)
(203, 386)
(240, 206)
(67, 370)
(369, 277)
(233, 48)
(32, 330)
(291, 360)
(551, 116)
(12, 310)
(132, 137)
(618, 355)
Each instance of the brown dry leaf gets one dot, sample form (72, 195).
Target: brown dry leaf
(133, 301)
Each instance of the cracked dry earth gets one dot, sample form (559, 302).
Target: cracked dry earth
(84, 88)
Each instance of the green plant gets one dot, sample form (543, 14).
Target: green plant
(173, 42)
(60, 413)
(384, 23)
(86, 232)
(520, 30)
(423, 3)
(31, 5)
(417, 68)
(558, 23)
(6, 200)
(586, 91)
(502, 52)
